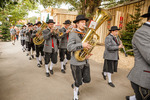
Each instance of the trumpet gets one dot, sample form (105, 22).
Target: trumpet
(56, 30)
(60, 33)
(70, 27)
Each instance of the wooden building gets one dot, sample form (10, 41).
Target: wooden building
(60, 15)
(120, 14)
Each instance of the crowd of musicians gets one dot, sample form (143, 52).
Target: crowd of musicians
(67, 41)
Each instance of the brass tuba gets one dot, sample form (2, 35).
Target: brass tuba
(39, 37)
(101, 16)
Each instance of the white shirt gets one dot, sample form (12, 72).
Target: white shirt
(79, 30)
(148, 23)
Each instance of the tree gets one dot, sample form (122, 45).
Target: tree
(32, 19)
(113, 3)
(17, 11)
(131, 27)
(85, 7)
(4, 30)
(3, 3)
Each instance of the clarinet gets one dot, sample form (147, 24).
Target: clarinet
(120, 42)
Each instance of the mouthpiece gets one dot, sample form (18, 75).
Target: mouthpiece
(85, 26)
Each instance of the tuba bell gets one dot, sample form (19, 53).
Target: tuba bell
(91, 37)
(39, 37)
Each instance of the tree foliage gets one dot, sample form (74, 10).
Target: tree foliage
(131, 27)
(4, 30)
(113, 3)
(32, 19)
(85, 7)
(11, 12)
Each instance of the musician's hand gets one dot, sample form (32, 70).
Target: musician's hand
(67, 31)
(120, 46)
(87, 57)
(86, 45)
(52, 30)
(36, 34)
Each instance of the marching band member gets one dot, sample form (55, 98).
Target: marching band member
(111, 55)
(80, 69)
(38, 48)
(29, 41)
(50, 46)
(17, 33)
(22, 35)
(13, 33)
(140, 73)
(26, 38)
(63, 45)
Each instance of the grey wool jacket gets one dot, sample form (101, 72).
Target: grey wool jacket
(49, 37)
(22, 34)
(140, 73)
(111, 48)
(63, 39)
(28, 35)
(75, 44)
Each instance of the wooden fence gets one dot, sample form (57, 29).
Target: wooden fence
(123, 11)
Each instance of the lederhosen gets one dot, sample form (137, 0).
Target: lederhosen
(64, 51)
(39, 48)
(141, 93)
(30, 44)
(25, 38)
(81, 73)
(111, 65)
(51, 56)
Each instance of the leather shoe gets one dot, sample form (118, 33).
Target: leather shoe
(127, 97)
(111, 84)
(104, 76)
(72, 85)
(63, 71)
(41, 62)
(47, 75)
(51, 71)
(64, 67)
(38, 65)
(30, 58)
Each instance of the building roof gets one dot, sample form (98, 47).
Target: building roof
(62, 11)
